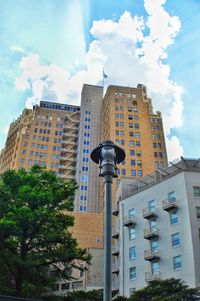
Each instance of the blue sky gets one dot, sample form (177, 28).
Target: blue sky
(52, 47)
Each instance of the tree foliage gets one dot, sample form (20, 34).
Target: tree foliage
(165, 290)
(162, 290)
(33, 231)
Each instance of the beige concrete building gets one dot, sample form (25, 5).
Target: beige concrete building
(46, 136)
(88, 195)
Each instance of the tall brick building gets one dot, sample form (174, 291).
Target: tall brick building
(46, 136)
(61, 137)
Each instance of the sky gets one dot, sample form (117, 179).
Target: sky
(49, 49)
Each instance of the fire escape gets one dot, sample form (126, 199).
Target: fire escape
(68, 155)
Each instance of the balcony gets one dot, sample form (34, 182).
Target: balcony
(152, 276)
(149, 212)
(115, 251)
(115, 268)
(115, 211)
(129, 220)
(151, 255)
(169, 204)
(115, 235)
(151, 233)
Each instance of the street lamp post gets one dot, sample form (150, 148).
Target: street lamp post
(107, 155)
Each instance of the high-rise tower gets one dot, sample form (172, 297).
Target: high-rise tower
(88, 194)
(129, 121)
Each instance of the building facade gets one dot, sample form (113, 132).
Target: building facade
(88, 194)
(129, 121)
(46, 136)
(158, 228)
(88, 230)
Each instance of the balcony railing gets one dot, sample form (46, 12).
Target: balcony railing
(115, 268)
(115, 235)
(152, 276)
(151, 233)
(151, 255)
(169, 204)
(129, 220)
(149, 212)
(115, 251)
(115, 211)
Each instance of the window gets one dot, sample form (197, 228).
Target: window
(131, 213)
(122, 141)
(139, 162)
(198, 212)
(132, 162)
(121, 116)
(123, 172)
(117, 123)
(175, 239)
(136, 125)
(35, 130)
(130, 125)
(116, 115)
(132, 273)
(196, 191)
(131, 134)
(173, 218)
(117, 133)
(155, 154)
(132, 152)
(133, 172)
(132, 253)
(160, 154)
(130, 117)
(172, 196)
(153, 225)
(122, 133)
(135, 117)
(137, 134)
(131, 143)
(22, 161)
(177, 262)
(152, 205)
(131, 232)
(122, 124)
(140, 174)
(154, 245)
(155, 267)
(137, 143)
(65, 286)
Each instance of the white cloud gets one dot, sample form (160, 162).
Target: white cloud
(174, 148)
(16, 49)
(132, 50)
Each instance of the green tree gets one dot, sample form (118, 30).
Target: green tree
(165, 290)
(34, 231)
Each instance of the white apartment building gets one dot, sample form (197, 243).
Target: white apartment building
(158, 227)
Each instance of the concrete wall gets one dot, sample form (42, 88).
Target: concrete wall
(187, 226)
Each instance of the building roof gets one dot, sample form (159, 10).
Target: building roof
(132, 186)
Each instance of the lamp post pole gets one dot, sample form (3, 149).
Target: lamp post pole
(107, 155)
